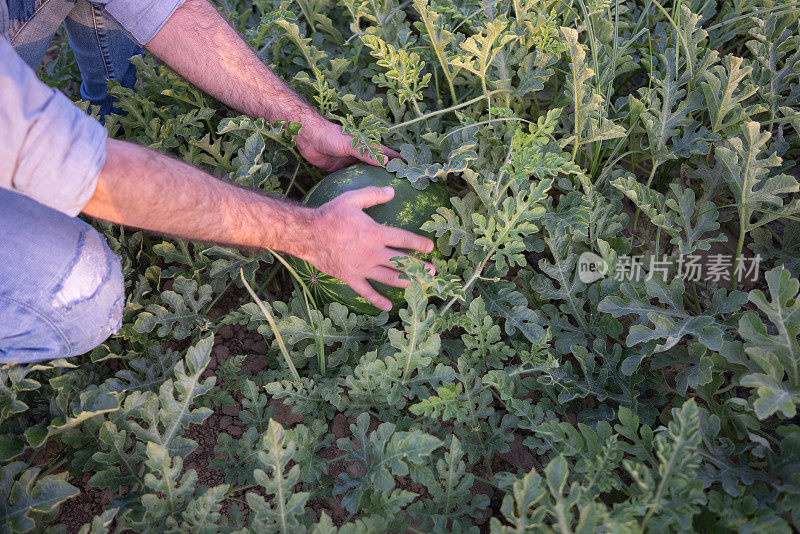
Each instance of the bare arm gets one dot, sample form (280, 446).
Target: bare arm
(200, 45)
(141, 188)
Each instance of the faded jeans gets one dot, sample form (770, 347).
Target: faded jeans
(102, 50)
(61, 287)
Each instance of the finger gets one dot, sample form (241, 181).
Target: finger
(390, 253)
(369, 196)
(390, 277)
(399, 238)
(334, 164)
(363, 288)
(367, 158)
(391, 153)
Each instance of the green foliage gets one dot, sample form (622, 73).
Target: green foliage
(283, 513)
(771, 354)
(403, 70)
(452, 502)
(186, 304)
(758, 191)
(27, 501)
(509, 393)
(588, 123)
(383, 454)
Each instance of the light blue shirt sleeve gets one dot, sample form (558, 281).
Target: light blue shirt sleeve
(50, 150)
(140, 18)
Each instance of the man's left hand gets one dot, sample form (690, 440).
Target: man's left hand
(322, 143)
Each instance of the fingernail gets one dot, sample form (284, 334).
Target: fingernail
(388, 189)
(387, 307)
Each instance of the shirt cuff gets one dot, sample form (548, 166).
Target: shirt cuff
(62, 158)
(142, 19)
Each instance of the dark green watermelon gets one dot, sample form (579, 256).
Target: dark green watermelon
(409, 209)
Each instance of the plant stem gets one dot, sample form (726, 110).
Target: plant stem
(55, 466)
(638, 211)
(268, 279)
(471, 281)
(271, 321)
(211, 304)
(294, 176)
(738, 255)
(445, 110)
(439, 56)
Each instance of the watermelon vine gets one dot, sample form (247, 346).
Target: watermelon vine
(517, 389)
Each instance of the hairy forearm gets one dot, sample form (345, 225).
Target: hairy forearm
(141, 188)
(200, 45)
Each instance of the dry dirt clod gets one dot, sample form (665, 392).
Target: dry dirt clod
(231, 409)
(222, 352)
(225, 331)
(356, 470)
(225, 422)
(284, 414)
(340, 427)
(519, 455)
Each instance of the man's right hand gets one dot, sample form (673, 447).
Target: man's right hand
(352, 247)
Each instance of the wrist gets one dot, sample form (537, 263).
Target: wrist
(311, 123)
(306, 231)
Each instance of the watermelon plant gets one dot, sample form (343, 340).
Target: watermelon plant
(611, 340)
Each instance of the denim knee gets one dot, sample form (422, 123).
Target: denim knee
(61, 287)
(79, 313)
(87, 303)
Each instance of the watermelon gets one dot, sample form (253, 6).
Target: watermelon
(409, 209)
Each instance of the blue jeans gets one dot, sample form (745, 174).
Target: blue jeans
(61, 287)
(102, 50)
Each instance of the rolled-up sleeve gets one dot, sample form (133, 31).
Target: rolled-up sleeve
(50, 150)
(140, 18)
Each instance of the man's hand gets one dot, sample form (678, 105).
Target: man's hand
(353, 247)
(322, 143)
